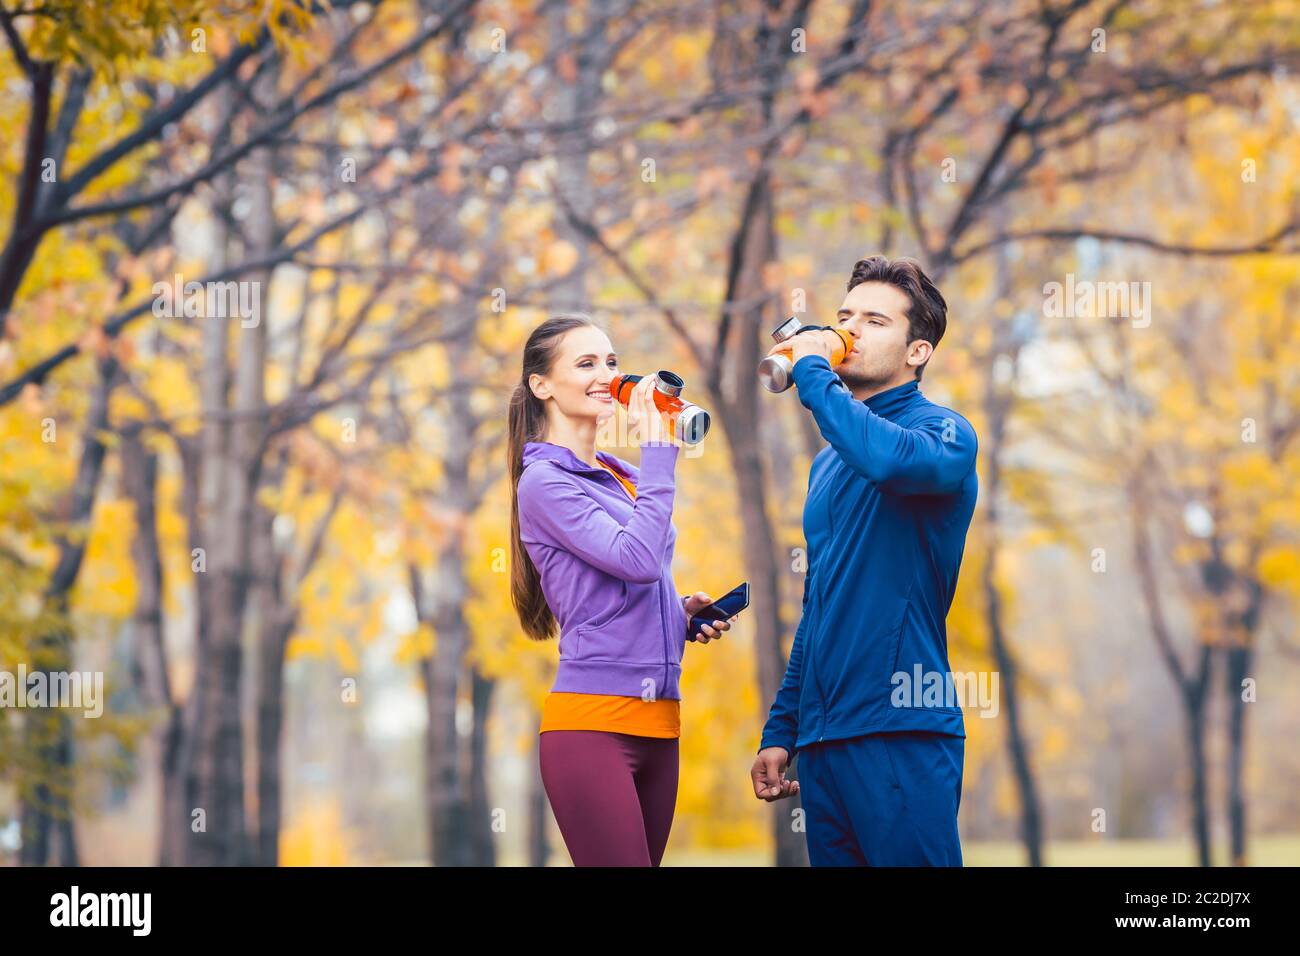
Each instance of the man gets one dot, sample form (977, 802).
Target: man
(889, 502)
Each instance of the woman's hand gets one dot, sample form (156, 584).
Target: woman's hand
(651, 424)
(708, 632)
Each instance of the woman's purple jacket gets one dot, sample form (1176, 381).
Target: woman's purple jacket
(606, 568)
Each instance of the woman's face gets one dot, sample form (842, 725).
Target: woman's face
(578, 381)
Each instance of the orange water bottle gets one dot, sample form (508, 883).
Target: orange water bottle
(774, 371)
(690, 421)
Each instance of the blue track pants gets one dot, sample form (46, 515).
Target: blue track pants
(884, 799)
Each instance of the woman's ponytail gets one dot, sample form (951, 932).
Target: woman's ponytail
(528, 423)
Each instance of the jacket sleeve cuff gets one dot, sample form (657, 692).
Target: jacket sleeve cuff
(658, 457)
(806, 364)
(816, 380)
(777, 740)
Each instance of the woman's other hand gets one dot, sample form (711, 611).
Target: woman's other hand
(693, 604)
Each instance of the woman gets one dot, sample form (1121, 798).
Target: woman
(592, 547)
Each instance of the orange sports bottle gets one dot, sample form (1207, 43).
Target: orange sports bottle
(774, 371)
(690, 421)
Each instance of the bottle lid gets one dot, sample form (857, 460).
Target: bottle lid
(692, 425)
(787, 329)
(669, 383)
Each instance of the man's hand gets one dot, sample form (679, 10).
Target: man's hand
(813, 342)
(693, 603)
(768, 774)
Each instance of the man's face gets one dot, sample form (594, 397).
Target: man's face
(875, 314)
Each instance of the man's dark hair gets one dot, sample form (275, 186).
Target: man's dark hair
(927, 316)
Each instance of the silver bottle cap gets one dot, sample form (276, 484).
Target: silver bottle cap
(669, 383)
(692, 425)
(787, 329)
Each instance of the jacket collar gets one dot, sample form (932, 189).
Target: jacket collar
(566, 459)
(893, 400)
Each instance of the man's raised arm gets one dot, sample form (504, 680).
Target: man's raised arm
(930, 459)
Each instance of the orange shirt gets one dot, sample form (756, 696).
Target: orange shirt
(631, 488)
(618, 715)
(609, 712)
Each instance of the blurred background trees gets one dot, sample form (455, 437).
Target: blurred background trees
(282, 532)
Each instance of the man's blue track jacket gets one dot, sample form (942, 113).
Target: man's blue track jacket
(889, 501)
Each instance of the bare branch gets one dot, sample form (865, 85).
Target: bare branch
(38, 372)
(1267, 245)
(275, 125)
(16, 42)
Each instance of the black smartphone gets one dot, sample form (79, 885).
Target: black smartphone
(730, 604)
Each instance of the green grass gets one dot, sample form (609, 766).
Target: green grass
(1270, 850)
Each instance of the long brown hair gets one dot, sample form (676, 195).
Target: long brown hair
(528, 423)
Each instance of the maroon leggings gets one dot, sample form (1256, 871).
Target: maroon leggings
(613, 794)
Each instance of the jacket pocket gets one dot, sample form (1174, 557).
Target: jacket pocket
(897, 630)
(885, 740)
(612, 613)
(850, 667)
(676, 610)
(916, 646)
(633, 634)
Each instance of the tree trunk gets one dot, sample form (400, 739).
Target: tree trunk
(277, 618)
(177, 748)
(573, 100)
(445, 789)
(756, 244)
(275, 622)
(1194, 713)
(45, 808)
(538, 809)
(205, 479)
(1238, 663)
(1017, 746)
(1192, 688)
(482, 846)
(998, 403)
(45, 813)
(270, 731)
(218, 766)
(140, 483)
